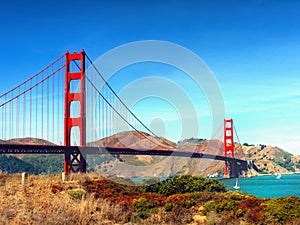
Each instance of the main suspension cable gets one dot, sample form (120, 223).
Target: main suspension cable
(107, 84)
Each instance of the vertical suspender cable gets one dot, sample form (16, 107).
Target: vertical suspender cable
(42, 108)
(95, 112)
(24, 115)
(58, 108)
(30, 113)
(5, 123)
(48, 107)
(2, 123)
(106, 118)
(92, 114)
(115, 118)
(18, 117)
(101, 118)
(102, 113)
(36, 112)
(96, 115)
(53, 93)
(110, 116)
(11, 117)
(236, 134)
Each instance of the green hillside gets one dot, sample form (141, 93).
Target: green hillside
(33, 164)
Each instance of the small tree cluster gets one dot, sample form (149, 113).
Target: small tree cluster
(185, 184)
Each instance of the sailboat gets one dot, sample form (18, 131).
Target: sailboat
(278, 175)
(236, 186)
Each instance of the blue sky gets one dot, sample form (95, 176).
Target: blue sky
(252, 47)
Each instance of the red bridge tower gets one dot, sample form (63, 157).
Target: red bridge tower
(74, 159)
(228, 143)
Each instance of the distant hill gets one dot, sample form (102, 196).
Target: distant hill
(268, 159)
(272, 159)
(130, 166)
(135, 140)
(27, 140)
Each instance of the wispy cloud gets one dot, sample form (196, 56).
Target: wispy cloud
(286, 138)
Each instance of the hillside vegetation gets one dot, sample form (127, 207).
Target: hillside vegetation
(92, 199)
(33, 164)
(272, 159)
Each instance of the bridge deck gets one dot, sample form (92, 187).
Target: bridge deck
(56, 149)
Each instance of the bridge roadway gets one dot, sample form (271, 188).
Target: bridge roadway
(88, 150)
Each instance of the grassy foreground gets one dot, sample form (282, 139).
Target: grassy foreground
(92, 199)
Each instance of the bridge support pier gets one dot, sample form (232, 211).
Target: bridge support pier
(236, 168)
(233, 170)
(75, 161)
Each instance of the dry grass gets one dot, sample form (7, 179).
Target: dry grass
(35, 203)
(47, 200)
(90, 199)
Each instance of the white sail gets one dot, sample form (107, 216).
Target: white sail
(236, 186)
(278, 176)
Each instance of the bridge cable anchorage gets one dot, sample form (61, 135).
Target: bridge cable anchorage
(121, 101)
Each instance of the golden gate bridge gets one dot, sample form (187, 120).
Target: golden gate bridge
(68, 106)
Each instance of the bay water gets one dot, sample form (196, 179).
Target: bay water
(263, 186)
(267, 186)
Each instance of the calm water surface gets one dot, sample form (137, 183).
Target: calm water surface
(263, 186)
(268, 186)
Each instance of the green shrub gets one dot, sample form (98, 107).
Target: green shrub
(239, 213)
(170, 207)
(145, 214)
(77, 194)
(235, 195)
(150, 180)
(143, 208)
(185, 184)
(225, 205)
(210, 206)
(282, 209)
